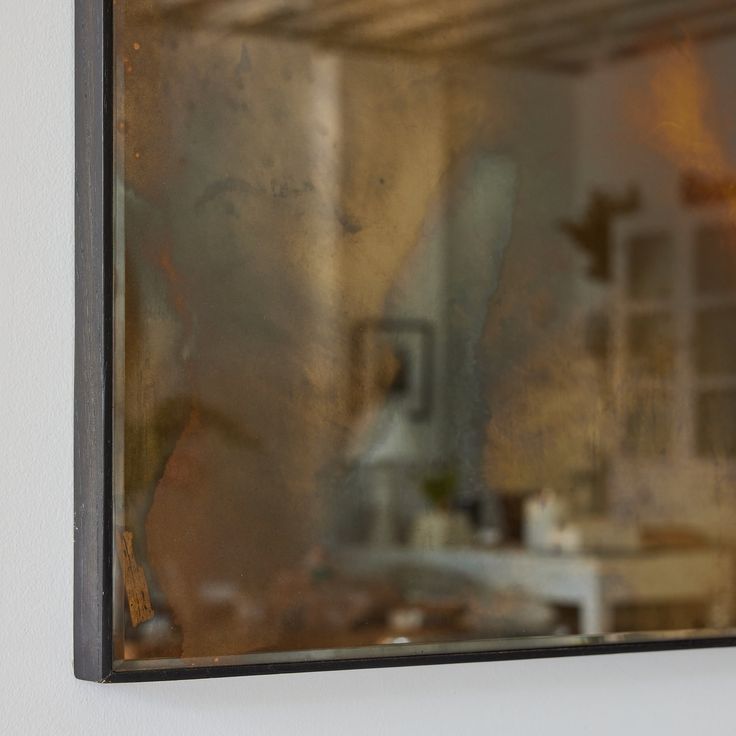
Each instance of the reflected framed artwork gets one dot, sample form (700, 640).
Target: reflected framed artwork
(406, 333)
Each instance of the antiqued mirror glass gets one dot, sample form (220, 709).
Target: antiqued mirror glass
(424, 327)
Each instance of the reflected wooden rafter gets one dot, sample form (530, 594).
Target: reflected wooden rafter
(555, 35)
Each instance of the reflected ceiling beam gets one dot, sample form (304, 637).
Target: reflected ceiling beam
(558, 35)
(423, 19)
(521, 19)
(592, 19)
(632, 36)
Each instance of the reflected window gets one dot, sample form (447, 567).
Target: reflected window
(715, 260)
(650, 266)
(716, 423)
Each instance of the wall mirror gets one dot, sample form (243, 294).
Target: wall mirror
(406, 332)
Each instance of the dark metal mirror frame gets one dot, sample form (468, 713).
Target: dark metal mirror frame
(93, 492)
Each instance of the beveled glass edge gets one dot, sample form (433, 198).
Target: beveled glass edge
(495, 648)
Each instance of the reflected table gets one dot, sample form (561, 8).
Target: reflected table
(595, 584)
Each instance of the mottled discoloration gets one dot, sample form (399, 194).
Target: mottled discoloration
(275, 197)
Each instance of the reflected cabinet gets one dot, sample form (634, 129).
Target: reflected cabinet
(406, 332)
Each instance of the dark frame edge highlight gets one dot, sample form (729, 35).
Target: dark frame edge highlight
(93, 497)
(93, 341)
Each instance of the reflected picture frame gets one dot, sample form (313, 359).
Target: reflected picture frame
(94, 544)
(411, 344)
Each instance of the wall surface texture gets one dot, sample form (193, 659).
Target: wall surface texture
(668, 693)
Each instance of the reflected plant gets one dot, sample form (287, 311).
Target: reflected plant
(439, 489)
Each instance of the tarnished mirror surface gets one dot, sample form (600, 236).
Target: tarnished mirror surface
(425, 326)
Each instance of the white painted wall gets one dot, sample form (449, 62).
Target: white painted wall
(669, 693)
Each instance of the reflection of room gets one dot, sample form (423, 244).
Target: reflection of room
(516, 324)
(615, 325)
